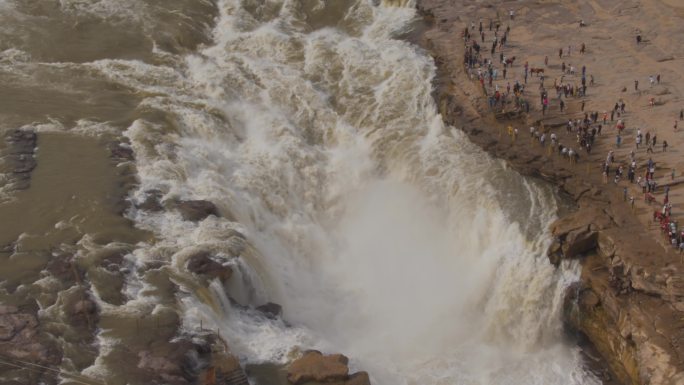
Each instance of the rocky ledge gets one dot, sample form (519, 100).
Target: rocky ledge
(17, 159)
(629, 302)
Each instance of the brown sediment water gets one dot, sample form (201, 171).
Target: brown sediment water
(54, 230)
(75, 190)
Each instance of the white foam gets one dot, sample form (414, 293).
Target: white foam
(112, 10)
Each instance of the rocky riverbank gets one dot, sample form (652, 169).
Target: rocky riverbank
(629, 301)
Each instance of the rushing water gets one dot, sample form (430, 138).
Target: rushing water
(384, 234)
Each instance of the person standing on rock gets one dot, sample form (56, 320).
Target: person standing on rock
(664, 145)
(560, 53)
(636, 85)
(562, 105)
(582, 106)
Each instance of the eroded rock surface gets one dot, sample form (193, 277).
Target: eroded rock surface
(20, 339)
(315, 368)
(194, 210)
(201, 263)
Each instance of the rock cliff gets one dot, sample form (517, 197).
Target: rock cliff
(630, 299)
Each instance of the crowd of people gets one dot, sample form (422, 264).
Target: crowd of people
(584, 130)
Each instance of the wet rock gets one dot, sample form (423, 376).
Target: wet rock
(179, 362)
(195, 210)
(163, 367)
(19, 338)
(112, 260)
(578, 242)
(202, 264)
(21, 142)
(270, 310)
(121, 151)
(60, 267)
(555, 252)
(584, 311)
(314, 366)
(359, 378)
(19, 158)
(84, 307)
(152, 201)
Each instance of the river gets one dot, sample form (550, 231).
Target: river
(384, 234)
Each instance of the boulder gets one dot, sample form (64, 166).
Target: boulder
(579, 241)
(270, 310)
(152, 201)
(202, 264)
(359, 378)
(555, 252)
(18, 156)
(21, 142)
(121, 151)
(195, 210)
(315, 367)
(175, 363)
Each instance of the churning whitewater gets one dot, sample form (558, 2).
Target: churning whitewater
(384, 235)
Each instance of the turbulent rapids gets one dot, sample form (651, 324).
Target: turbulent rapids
(384, 234)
